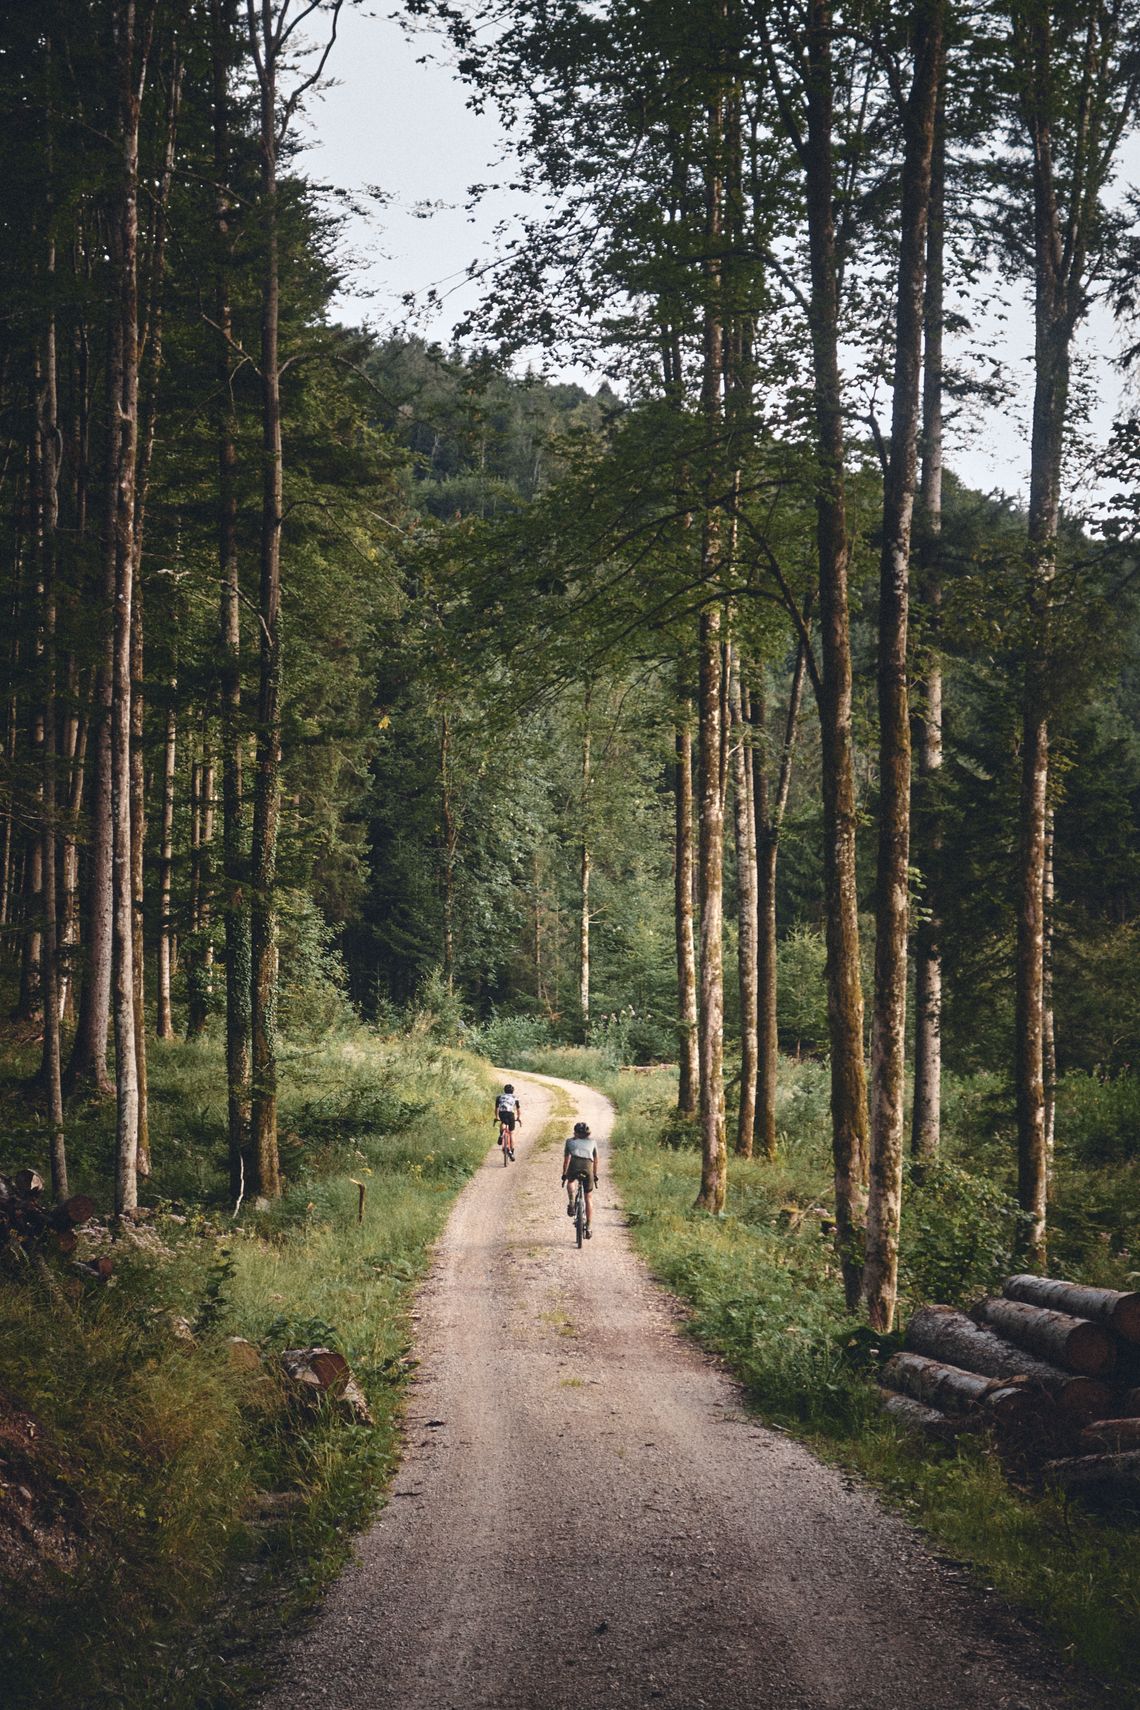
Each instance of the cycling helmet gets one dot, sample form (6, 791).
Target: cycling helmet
(508, 1087)
(581, 1131)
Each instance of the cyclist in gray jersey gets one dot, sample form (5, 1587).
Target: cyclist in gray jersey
(580, 1162)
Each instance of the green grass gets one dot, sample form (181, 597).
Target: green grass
(210, 1506)
(763, 1290)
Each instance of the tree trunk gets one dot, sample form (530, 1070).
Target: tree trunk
(888, 1047)
(745, 827)
(770, 810)
(69, 942)
(688, 1088)
(267, 781)
(236, 910)
(1061, 241)
(138, 842)
(165, 1022)
(47, 428)
(584, 882)
(1048, 1030)
(926, 1118)
(134, 25)
(149, 350)
(713, 694)
(845, 990)
(200, 957)
(448, 853)
(87, 1065)
(1032, 1153)
(30, 999)
(714, 1155)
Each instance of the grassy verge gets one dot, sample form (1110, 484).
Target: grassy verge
(764, 1293)
(204, 1506)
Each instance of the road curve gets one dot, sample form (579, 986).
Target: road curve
(586, 1514)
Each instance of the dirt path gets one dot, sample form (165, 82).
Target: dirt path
(585, 1514)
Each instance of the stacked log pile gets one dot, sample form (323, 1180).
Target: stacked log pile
(27, 1218)
(1050, 1369)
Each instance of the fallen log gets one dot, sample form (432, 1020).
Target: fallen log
(1112, 1434)
(950, 1389)
(28, 1182)
(1109, 1306)
(924, 1421)
(1104, 1474)
(1074, 1343)
(945, 1334)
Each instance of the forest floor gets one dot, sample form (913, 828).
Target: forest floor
(585, 1504)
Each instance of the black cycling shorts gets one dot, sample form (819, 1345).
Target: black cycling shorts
(581, 1169)
(509, 1117)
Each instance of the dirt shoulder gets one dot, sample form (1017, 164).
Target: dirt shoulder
(585, 1507)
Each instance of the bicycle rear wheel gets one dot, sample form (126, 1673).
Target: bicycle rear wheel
(580, 1213)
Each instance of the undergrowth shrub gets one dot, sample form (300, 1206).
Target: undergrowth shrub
(313, 993)
(509, 1039)
(961, 1234)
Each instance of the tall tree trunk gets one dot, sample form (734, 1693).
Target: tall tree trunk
(165, 1018)
(1058, 302)
(30, 999)
(844, 981)
(138, 843)
(888, 1046)
(688, 1089)
(1032, 1149)
(200, 955)
(770, 808)
(1049, 1040)
(236, 908)
(926, 1118)
(132, 29)
(74, 755)
(87, 1065)
(448, 852)
(584, 880)
(711, 728)
(265, 42)
(536, 906)
(745, 827)
(47, 427)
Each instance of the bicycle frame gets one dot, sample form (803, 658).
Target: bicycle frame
(580, 1210)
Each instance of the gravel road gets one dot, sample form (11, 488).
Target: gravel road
(586, 1514)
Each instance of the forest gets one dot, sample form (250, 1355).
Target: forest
(377, 706)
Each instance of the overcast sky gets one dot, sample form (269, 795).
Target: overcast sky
(404, 128)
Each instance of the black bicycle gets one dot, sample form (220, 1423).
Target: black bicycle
(581, 1227)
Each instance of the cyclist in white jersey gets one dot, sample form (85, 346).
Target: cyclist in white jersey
(580, 1162)
(508, 1112)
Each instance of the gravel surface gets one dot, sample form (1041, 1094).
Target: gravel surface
(586, 1514)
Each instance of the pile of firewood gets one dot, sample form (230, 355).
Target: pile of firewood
(1051, 1370)
(27, 1218)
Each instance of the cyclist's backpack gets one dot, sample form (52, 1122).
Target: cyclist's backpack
(506, 1104)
